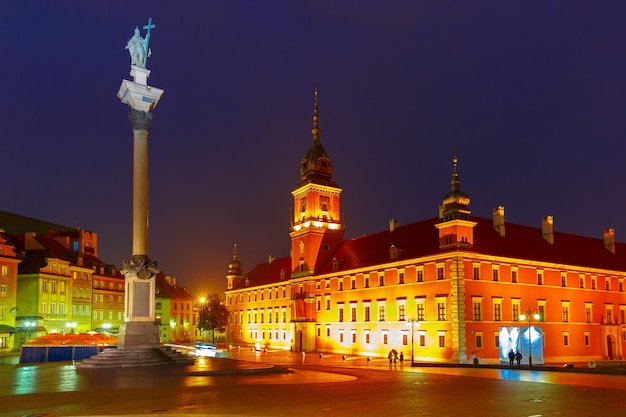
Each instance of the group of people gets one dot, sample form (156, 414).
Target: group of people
(515, 357)
(394, 357)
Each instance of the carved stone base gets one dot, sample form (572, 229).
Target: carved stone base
(138, 334)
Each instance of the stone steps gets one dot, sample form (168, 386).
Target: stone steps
(123, 358)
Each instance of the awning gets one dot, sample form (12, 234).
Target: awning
(7, 329)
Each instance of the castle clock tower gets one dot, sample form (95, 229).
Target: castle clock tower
(316, 228)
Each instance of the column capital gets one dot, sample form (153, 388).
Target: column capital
(140, 119)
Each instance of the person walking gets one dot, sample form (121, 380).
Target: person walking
(511, 358)
(390, 357)
(518, 358)
(401, 358)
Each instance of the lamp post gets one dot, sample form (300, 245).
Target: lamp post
(71, 326)
(29, 325)
(412, 322)
(527, 315)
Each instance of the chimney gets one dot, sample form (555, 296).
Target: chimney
(609, 240)
(271, 259)
(393, 223)
(498, 220)
(547, 229)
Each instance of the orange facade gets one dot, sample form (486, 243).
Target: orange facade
(444, 289)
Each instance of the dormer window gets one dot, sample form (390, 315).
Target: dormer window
(335, 264)
(393, 252)
(282, 274)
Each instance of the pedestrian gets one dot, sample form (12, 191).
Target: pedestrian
(401, 358)
(475, 360)
(390, 357)
(518, 358)
(511, 357)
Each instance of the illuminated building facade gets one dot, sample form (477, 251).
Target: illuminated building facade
(108, 299)
(8, 295)
(175, 311)
(445, 288)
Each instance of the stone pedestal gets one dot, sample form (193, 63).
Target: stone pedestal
(139, 335)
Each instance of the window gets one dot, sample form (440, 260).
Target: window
(367, 282)
(581, 281)
(327, 304)
(5, 271)
(514, 276)
(328, 330)
(352, 283)
(479, 340)
(565, 339)
(609, 314)
(542, 309)
(340, 336)
(588, 313)
(318, 307)
(420, 275)
(565, 311)
(476, 272)
(401, 310)
(401, 277)
(441, 309)
(587, 338)
(539, 278)
(44, 285)
(442, 339)
(3, 291)
(420, 316)
(340, 310)
(385, 337)
(497, 309)
(353, 335)
(477, 303)
(341, 285)
(563, 279)
(594, 282)
(496, 339)
(353, 312)
(405, 337)
(607, 284)
(421, 338)
(367, 336)
(366, 309)
(381, 312)
(381, 280)
(495, 273)
(53, 308)
(440, 272)
(515, 309)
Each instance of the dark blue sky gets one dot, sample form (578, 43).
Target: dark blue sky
(531, 94)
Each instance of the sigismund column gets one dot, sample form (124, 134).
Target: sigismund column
(140, 329)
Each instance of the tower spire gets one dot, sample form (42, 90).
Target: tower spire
(316, 119)
(455, 203)
(455, 182)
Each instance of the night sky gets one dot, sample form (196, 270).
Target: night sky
(530, 94)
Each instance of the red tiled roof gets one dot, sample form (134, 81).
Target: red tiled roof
(421, 239)
(267, 273)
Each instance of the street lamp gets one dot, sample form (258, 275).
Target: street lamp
(412, 322)
(71, 326)
(30, 325)
(527, 315)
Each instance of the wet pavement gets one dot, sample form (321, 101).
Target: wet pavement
(272, 383)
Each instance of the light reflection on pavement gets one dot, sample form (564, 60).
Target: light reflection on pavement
(544, 377)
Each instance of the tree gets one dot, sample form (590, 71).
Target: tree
(213, 316)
